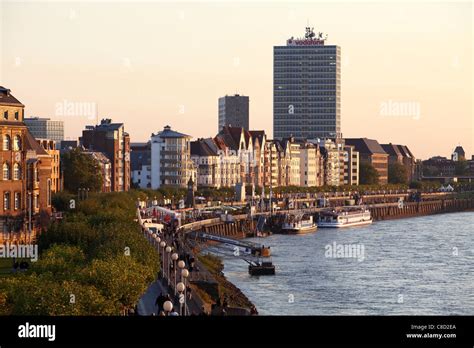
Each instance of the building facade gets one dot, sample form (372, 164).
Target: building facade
(402, 155)
(306, 88)
(171, 163)
(26, 184)
(45, 128)
(233, 111)
(371, 152)
(140, 164)
(112, 140)
(105, 169)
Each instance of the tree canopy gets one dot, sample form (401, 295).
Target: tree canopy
(397, 174)
(368, 175)
(80, 171)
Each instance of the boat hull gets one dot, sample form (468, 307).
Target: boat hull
(261, 270)
(303, 230)
(343, 225)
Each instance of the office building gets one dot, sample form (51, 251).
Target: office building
(45, 128)
(234, 111)
(307, 88)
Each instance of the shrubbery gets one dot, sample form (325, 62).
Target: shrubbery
(94, 262)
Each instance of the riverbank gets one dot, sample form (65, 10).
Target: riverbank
(235, 297)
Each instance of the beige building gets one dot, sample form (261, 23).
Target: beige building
(311, 165)
(171, 163)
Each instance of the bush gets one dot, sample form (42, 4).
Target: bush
(86, 255)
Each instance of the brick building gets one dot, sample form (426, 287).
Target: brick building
(112, 140)
(26, 184)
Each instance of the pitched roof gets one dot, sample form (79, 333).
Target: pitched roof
(32, 144)
(459, 150)
(140, 156)
(167, 132)
(405, 151)
(257, 135)
(364, 145)
(201, 148)
(6, 98)
(392, 150)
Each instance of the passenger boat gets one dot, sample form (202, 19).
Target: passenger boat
(301, 224)
(345, 217)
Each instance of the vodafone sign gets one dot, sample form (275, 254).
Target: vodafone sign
(308, 42)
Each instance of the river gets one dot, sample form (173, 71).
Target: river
(416, 266)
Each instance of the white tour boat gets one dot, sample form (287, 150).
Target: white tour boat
(294, 224)
(345, 217)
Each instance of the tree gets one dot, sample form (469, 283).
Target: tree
(460, 167)
(81, 171)
(397, 174)
(368, 175)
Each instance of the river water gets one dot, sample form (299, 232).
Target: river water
(416, 266)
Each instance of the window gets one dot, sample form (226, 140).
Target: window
(16, 115)
(5, 115)
(17, 200)
(17, 143)
(6, 142)
(49, 192)
(6, 171)
(16, 172)
(6, 201)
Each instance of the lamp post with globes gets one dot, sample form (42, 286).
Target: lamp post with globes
(157, 241)
(174, 257)
(168, 307)
(184, 275)
(181, 288)
(163, 245)
(168, 263)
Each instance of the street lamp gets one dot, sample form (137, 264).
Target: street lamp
(168, 307)
(163, 245)
(181, 288)
(174, 257)
(168, 263)
(184, 275)
(158, 240)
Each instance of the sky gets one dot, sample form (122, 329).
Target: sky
(407, 74)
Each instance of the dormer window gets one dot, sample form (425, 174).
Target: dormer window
(17, 115)
(5, 115)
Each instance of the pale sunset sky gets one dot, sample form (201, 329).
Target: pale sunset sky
(153, 63)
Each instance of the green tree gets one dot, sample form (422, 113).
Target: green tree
(397, 174)
(460, 168)
(81, 171)
(368, 175)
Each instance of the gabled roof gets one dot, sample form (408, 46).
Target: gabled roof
(257, 135)
(6, 98)
(367, 146)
